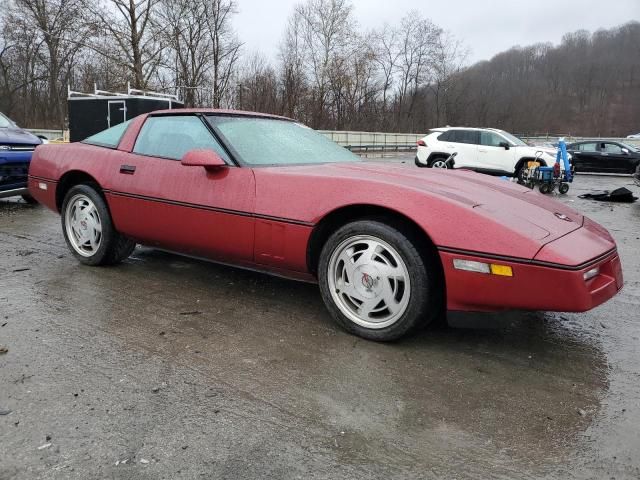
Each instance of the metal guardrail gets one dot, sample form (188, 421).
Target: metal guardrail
(366, 141)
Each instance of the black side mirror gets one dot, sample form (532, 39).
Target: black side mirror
(505, 145)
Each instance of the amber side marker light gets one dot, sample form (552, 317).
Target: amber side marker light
(480, 267)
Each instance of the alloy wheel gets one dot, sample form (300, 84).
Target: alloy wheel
(369, 282)
(83, 225)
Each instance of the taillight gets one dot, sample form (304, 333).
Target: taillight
(421, 143)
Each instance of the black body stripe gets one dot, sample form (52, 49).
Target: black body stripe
(43, 178)
(212, 209)
(540, 263)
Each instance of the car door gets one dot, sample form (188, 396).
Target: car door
(586, 156)
(189, 209)
(493, 156)
(615, 158)
(465, 144)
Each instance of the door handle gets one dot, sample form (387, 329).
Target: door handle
(127, 169)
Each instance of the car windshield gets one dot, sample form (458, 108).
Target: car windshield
(513, 139)
(5, 122)
(269, 141)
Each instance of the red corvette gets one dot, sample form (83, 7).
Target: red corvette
(390, 245)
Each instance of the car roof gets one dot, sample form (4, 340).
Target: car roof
(445, 129)
(218, 111)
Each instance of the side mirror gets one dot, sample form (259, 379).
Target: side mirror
(203, 158)
(504, 145)
(625, 151)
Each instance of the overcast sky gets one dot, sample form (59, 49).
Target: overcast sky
(486, 27)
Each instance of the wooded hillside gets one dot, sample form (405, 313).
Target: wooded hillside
(330, 73)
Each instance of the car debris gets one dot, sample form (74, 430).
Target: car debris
(621, 195)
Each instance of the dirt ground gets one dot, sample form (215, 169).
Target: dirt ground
(167, 367)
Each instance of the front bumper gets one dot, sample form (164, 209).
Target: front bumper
(14, 192)
(533, 286)
(14, 168)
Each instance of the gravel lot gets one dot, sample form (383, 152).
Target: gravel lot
(167, 367)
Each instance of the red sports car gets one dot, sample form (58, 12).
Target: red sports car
(391, 246)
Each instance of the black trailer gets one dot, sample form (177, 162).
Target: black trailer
(91, 113)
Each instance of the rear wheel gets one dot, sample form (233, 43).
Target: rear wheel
(438, 162)
(375, 283)
(88, 229)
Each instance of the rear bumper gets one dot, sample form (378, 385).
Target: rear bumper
(533, 286)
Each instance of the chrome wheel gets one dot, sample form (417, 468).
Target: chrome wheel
(369, 282)
(439, 164)
(83, 225)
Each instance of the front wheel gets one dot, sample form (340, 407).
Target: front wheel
(375, 282)
(88, 229)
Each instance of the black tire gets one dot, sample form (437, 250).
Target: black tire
(29, 199)
(113, 247)
(437, 158)
(563, 188)
(425, 295)
(520, 173)
(545, 188)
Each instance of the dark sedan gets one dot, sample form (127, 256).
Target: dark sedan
(604, 156)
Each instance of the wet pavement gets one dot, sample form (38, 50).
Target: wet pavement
(167, 367)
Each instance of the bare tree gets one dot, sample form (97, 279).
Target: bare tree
(386, 41)
(292, 76)
(51, 30)
(126, 35)
(225, 47)
(418, 38)
(186, 32)
(447, 59)
(325, 29)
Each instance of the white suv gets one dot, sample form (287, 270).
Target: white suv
(486, 150)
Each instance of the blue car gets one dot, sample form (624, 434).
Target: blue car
(16, 148)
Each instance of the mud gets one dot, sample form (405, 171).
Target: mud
(167, 367)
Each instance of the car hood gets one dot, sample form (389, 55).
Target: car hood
(532, 214)
(18, 136)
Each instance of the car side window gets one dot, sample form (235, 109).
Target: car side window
(446, 136)
(490, 139)
(110, 137)
(612, 148)
(468, 136)
(588, 147)
(172, 136)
